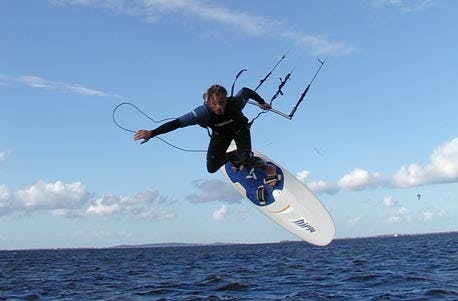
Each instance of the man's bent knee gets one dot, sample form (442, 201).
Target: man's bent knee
(214, 163)
(212, 168)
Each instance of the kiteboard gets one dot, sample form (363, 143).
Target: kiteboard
(289, 203)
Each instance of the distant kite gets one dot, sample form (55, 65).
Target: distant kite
(418, 196)
(318, 151)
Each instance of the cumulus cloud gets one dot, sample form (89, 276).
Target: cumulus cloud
(316, 186)
(147, 197)
(153, 10)
(213, 190)
(103, 206)
(442, 168)
(389, 202)
(73, 200)
(302, 175)
(43, 195)
(360, 179)
(401, 214)
(322, 187)
(427, 216)
(5, 197)
(220, 213)
(3, 155)
(353, 221)
(153, 213)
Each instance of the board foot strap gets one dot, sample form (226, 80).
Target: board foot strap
(272, 178)
(261, 194)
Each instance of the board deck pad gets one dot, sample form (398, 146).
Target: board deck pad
(250, 178)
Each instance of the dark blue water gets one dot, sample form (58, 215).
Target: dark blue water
(404, 268)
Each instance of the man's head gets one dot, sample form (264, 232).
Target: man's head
(216, 97)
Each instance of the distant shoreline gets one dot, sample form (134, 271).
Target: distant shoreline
(178, 244)
(165, 245)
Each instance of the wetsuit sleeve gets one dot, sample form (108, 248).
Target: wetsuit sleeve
(166, 127)
(245, 94)
(200, 116)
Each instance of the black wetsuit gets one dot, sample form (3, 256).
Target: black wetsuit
(231, 125)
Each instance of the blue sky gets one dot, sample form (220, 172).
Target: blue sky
(377, 128)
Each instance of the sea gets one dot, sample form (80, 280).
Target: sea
(406, 267)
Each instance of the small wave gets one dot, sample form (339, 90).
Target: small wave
(362, 277)
(359, 262)
(439, 292)
(147, 290)
(235, 286)
(213, 279)
(415, 278)
(30, 297)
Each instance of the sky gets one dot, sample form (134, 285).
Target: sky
(375, 137)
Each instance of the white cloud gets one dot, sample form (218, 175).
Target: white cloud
(393, 219)
(427, 216)
(148, 196)
(103, 206)
(353, 221)
(403, 5)
(302, 175)
(35, 82)
(359, 179)
(5, 196)
(79, 89)
(318, 45)
(102, 234)
(443, 168)
(152, 10)
(42, 83)
(389, 202)
(316, 186)
(39, 82)
(43, 195)
(153, 213)
(322, 187)
(401, 214)
(3, 154)
(74, 201)
(220, 213)
(213, 190)
(403, 211)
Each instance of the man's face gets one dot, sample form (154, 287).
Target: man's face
(217, 103)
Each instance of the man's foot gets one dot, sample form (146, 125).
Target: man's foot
(236, 167)
(271, 177)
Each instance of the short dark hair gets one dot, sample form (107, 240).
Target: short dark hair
(214, 90)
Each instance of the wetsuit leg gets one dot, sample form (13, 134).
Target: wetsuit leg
(244, 151)
(216, 154)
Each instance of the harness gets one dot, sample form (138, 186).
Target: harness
(231, 121)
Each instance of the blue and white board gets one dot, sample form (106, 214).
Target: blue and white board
(290, 203)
